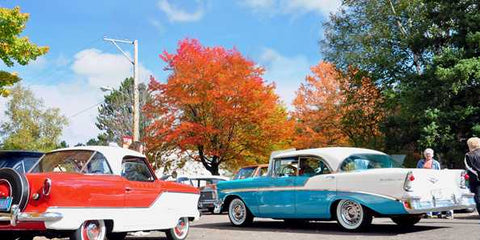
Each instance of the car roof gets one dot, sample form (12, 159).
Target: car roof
(21, 152)
(333, 155)
(114, 155)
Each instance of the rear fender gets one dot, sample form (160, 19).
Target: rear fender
(381, 205)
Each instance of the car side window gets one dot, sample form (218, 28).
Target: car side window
(98, 165)
(263, 171)
(286, 167)
(135, 169)
(311, 166)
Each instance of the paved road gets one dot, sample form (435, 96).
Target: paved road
(217, 227)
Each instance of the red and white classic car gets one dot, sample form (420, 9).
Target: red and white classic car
(93, 193)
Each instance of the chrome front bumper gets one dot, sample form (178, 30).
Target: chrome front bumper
(418, 205)
(15, 216)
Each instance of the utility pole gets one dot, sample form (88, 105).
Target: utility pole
(136, 104)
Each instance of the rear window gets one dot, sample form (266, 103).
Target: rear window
(63, 161)
(358, 162)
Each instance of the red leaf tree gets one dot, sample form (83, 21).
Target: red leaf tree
(334, 109)
(216, 104)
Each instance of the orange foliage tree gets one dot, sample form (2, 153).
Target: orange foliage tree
(363, 111)
(318, 109)
(336, 109)
(216, 104)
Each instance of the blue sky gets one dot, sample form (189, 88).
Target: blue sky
(281, 35)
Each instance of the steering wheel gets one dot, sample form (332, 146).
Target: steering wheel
(287, 170)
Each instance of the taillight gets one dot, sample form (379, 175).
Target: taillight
(408, 182)
(47, 187)
(5, 188)
(463, 179)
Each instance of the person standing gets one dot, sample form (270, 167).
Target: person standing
(429, 163)
(472, 163)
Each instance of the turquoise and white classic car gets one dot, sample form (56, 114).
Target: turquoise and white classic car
(350, 185)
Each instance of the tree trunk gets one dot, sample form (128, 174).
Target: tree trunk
(210, 165)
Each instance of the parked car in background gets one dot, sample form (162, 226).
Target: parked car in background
(251, 171)
(21, 161)
(208, 189)
(350, 185)
(93, 192)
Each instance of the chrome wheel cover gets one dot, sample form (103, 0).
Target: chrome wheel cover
(237, 211)
(350, 214)
(93, 230)
(181, 229)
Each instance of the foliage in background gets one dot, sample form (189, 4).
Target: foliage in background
(318, 109)
(14, 48)
(115, 114)
(216, 104)
(29, 125)
(333, 108)
(424, 55)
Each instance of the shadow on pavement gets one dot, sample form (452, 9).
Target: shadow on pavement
(330, 228)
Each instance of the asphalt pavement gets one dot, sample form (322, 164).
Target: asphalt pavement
(217, 227)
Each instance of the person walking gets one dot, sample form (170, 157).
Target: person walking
(472, 163)
(429, 163)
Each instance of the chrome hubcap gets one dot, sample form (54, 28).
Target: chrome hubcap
(93, 230)
(351, 213)
(182, 228)
(237, 211)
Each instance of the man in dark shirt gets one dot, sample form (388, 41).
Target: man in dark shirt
(472, 163)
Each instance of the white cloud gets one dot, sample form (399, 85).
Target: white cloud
(78, 95)
(323, 7)
(39, 63)
(286, 72)
(158, 25)
(176, 14)
(73, 98)
(105, 69)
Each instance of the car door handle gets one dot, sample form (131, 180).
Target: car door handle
(128, 189)
(330, 177)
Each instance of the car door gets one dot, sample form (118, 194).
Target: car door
(141, 187)
(315, 188)
(276, 198)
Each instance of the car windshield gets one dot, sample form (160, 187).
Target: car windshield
(358, 162)
(244, 173)
(63, 161)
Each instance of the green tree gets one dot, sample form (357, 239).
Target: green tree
(14, 48)
(425, 56)
(115, 115)
(29, 124)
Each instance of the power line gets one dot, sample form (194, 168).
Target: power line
(86, 109)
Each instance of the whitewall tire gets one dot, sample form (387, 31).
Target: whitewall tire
(180, 231)
(238, 213)
(90, 230)
(352, 216)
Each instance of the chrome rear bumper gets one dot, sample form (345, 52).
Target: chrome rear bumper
(15, 216)
(418, 205)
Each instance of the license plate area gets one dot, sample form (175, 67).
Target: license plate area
(5, 204)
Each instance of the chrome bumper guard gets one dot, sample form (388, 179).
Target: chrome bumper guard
(15, 216)
(418, 205)
(218, 206)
